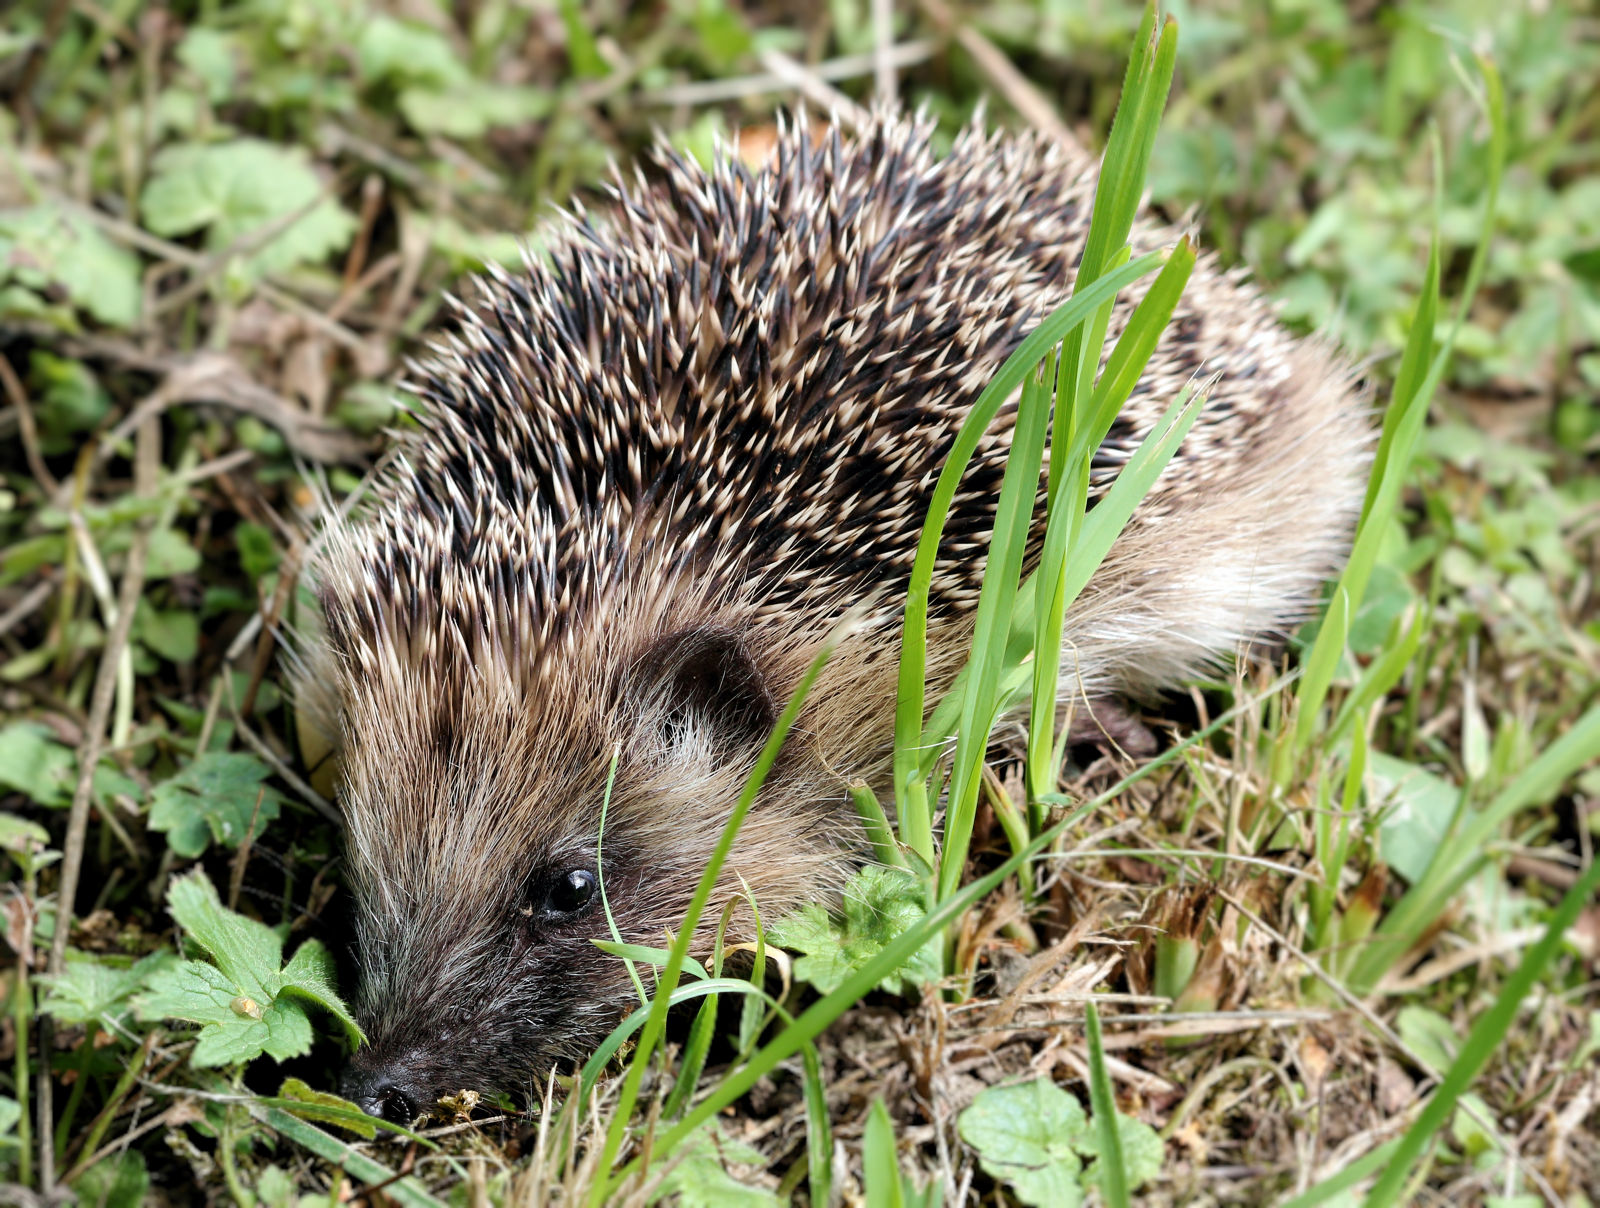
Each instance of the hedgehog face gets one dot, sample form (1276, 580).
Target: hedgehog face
(478, 860)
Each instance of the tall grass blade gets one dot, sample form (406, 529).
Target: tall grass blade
(1113, 1171)
(1123, 370)
(656, 1021)
(1100, 530)
(1413, 391)
(816, 1018)
(1013, 523)
(819, 1131)
(1485, 1037)
(880, 1165)
(916, 824)
(1467, 852)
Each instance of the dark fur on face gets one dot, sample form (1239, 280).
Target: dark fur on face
(654, 472)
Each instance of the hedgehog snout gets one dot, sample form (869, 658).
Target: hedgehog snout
(393, 1089)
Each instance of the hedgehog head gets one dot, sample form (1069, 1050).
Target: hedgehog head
(498, 823)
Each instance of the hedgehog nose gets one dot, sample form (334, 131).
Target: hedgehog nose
(380, 1093)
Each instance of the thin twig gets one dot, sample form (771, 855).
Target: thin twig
(257, 744)
(29, 429)
(814, 88)
(146, 463)
(737, 88)
(33, 600)
(883, 76)
(1010, 83)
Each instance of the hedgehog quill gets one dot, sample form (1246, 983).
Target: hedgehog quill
(653, 473)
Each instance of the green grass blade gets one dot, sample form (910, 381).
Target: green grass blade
(1485, 1037)
(1362, 1168)
(403, 1189)
(693, 1062)
(1467, 852)
(1100, 531)
(1013, 523)
(1113, 1171)
(1413, 391)
(819, 1129)
(1110, 516)
(656, 1021)
(916, 825)
(1127, 363)
(880, 1165)
(600, 868)
(816, 1018)
(876, 823)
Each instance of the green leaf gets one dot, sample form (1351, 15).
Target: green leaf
(471, 110)
(21, 835)
(114, 1183)
(1142, 1151)
(45, 248)
(174, 634)
(210, 55)
(35, 765)
(310, 974)
(391, 50)
(213, 800)
(1029, 1135)
(232, 190)
(70, 399)
(700, 1179)
(93, 988)
(245, 1004)
(324, 1108)
(258, 553)
(170, 553)
(10, 1113)
(879, 904)
(1429, 1035)
(1418, 807)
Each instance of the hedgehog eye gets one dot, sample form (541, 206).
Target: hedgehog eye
(571, 891)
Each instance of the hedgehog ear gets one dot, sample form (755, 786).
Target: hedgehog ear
(707, 676)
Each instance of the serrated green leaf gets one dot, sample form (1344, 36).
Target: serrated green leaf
(213, 800)
(233, 190)
(879, 904)
(245, 1004)
(44, 248)
(246, 951)
(310, 974)
(1029, 1136)
(235, 1025)
(98, 988)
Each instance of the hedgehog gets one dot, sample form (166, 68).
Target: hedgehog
(651, 473)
